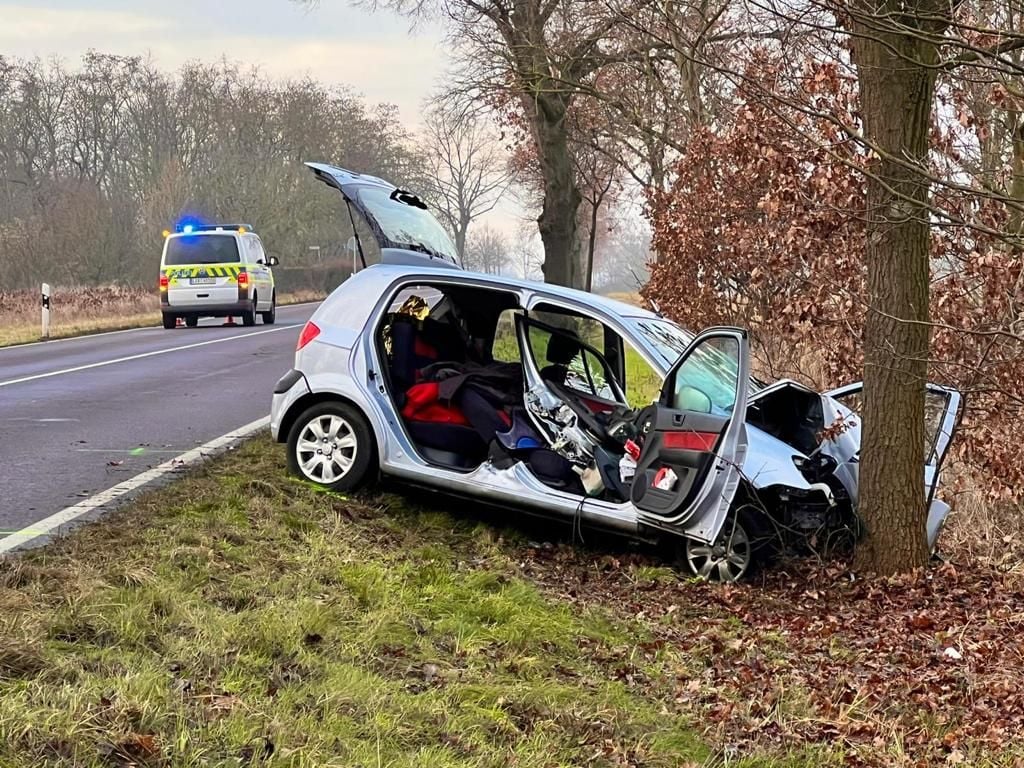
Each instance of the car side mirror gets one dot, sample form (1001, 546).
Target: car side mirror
(272, 261)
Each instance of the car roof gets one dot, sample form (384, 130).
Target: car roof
(391, 272)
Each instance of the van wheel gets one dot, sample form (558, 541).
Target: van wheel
(170, 321)
(271, 314)
(249, 315)
(191, 322)
(331, 444)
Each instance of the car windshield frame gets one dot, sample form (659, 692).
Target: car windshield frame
(667, 341)
(402, 225)
(190, 243)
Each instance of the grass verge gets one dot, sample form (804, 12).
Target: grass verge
(78, 318)
(240, 617)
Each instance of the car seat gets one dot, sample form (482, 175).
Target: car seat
(562, 348)
(409, 353)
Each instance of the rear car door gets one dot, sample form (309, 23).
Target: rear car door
(695, 438)
(942, 409)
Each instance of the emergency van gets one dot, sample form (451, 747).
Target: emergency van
(216, 270)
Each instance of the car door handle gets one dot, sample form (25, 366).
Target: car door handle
(677, 419)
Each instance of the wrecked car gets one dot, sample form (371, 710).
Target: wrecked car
(566, 404)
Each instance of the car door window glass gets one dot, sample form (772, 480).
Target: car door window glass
(707, 379)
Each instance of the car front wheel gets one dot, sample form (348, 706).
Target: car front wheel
(331, 444)
(740, 547)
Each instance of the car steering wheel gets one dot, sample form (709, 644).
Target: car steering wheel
(584, 414)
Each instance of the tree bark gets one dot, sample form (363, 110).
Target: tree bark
(897, 85)
(591, 245)
(562, 198)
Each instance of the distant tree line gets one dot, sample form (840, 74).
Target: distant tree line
(97, 160)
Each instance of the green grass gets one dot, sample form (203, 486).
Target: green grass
(240, 617)
(227, 620)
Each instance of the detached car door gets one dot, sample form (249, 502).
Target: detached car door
(695, 438)
(941, 410)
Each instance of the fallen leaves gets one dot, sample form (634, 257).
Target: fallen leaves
(933, 663)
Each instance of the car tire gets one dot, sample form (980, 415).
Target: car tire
(736, 554)
(191, 322)
(271, 314)
(352, 459)
(249, 315)
(170, 322)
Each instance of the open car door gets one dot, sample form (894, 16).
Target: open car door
(941, 410)
(695, 438)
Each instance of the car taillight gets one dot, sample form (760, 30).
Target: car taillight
(243, 278)
(164, 282)
(690, 441)
(309, 332)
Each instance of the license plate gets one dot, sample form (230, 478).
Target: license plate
(202, 280)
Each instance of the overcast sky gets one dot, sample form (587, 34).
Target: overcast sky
(372, 52)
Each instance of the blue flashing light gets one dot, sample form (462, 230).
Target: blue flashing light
(187, 229)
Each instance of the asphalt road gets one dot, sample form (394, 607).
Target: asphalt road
(78, 416)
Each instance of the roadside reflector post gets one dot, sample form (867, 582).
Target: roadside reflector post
(46, 310)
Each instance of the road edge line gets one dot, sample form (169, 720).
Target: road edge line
(186, 460)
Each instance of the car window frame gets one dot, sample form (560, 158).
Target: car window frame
(619, 324)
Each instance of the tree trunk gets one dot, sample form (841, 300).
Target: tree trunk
(897, 93)
(591, 245)
(1016, 224)
(562, 198)
(460, 236)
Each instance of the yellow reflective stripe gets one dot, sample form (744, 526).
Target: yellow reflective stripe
(212, 270)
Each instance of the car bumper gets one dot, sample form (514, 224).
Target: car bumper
(208, 309)
(287, 391)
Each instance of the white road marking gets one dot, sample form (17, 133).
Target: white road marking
(189, 458)
(130, 451)
(101, 363)
(81, 336)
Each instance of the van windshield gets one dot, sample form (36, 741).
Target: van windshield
(201, 249)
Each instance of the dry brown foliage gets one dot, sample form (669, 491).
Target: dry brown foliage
(764, 228)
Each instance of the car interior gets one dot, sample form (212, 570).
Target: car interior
(455, 370)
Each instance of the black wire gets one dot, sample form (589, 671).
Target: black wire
(577, 522)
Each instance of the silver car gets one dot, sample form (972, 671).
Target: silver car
(567, 404)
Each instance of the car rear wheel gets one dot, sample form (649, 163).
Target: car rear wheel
(271, 314)
(170, 321)
(331, 444)
(191, 322)
(249, 315)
